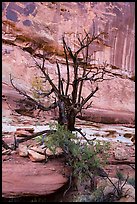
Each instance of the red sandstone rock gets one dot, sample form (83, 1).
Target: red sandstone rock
(38, 149)
(58, 152)
(21, 177)
(22, 133)
(31, 130)
(120, 154)
(108, 116)
(23, 150)
(35, 156)
(64, 17)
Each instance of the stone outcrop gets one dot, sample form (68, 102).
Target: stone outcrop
(22, 177)
(107, 116)
(30, 27)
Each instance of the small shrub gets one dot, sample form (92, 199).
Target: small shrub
(119, 175)
(82, 157)
(131, 181)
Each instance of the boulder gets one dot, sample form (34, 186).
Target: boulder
(126, 199)
(23, 150)
(133, 139)
(120, 154)
(31, 130)
(21, 177)
(35, 156)
(38, 149)
(58, 152)
(103, 115)
(22, 133)
(128, 135)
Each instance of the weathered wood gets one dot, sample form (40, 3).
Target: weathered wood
(28, 137)
(5, 145)
(75, 101)
(122, 162)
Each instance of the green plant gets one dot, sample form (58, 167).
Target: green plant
(131, 181)
(119, 175)
(83, 158)
(117, 192)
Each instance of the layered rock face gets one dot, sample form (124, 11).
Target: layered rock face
(30, 27)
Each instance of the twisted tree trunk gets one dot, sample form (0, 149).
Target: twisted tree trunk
(71, 117)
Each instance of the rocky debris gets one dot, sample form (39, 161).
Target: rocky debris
(38, 153)
(35, 156)
(128, 191)
(33, 146)
(38, 149)
(58, 151)
(105, 192)
(34, 152)
(22, 133)
(120, 154)
(23, 150)
(31, 130)
(6, 152)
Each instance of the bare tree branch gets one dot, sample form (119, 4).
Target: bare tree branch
(72, 103)
(28, 137)
(68, 71)
(5, 145)
(84, 46)
(59, 78)
(56, 91)
(38, 105)
(87, 98)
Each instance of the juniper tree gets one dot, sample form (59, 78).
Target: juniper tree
(67, 91)
(67, 94)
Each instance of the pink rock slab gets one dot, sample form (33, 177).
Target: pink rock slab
(22, 177)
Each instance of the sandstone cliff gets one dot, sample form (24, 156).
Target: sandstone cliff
(30, 27)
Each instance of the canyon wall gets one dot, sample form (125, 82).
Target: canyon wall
(30, 27)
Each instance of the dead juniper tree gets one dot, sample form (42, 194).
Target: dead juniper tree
(67, 94)
(68, 91)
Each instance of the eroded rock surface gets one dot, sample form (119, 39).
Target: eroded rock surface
(120, 154)
(22, 177)
(48, 22)
(30, 27)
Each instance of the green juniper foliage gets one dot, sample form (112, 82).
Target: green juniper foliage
(82, 157)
